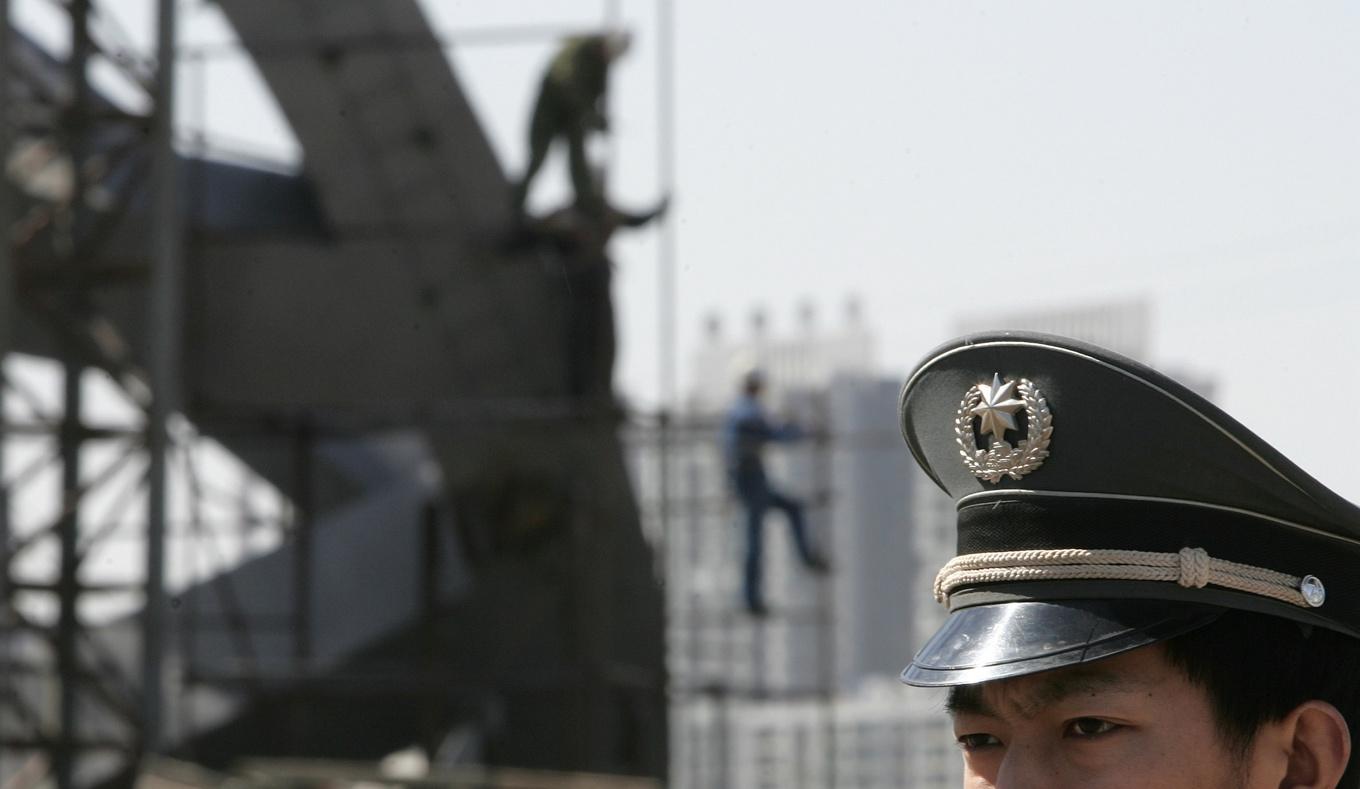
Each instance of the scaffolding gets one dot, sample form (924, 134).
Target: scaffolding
(718, 653)
(138, 482)
(56, 257)
(775, 701)
(143, 481)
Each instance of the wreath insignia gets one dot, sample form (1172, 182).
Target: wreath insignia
(993, 407)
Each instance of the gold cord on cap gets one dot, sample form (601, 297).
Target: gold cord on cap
(1189, 567)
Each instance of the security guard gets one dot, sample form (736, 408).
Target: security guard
(1145, 593)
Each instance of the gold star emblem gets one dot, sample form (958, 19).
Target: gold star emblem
(998, 407)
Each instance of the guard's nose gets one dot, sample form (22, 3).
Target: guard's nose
(1026, 768)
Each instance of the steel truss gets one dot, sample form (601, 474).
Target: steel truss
(92, 716)
(72, 710)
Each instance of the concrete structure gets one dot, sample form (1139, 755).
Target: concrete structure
(462, 546)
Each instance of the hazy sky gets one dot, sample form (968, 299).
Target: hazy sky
(948, 158)
(940, 159)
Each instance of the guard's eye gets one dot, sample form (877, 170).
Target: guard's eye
(973, 742)
(1090, 727)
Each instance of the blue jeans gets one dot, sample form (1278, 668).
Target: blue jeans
(757, 497)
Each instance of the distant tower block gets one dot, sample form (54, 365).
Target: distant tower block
(807, 316)
(1123, 326)
(854, 311)
(759, 322)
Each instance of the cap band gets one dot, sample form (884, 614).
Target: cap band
(1190, 567)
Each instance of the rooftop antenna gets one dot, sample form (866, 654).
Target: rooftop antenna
(713, 328)
(807, 316)
(854, 311)
(759, 322)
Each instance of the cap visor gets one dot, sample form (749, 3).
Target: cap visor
(1001, 640)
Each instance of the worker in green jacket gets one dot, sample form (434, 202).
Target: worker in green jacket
(570, 105)
(581, 239)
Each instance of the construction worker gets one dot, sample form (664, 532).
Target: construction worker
(746, 431)
(1146, 594)
(580, 237)
(570, 105)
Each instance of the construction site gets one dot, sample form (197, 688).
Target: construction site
(289, 471)
(344, 440)
(308, 479)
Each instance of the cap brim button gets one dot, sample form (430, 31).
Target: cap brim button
(1314, 593)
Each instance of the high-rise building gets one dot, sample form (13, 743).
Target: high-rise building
(803, 359)
(1121, 326)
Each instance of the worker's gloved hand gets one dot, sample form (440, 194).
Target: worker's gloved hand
(626, 219)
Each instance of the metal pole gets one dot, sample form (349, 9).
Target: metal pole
(164, 322)
(663, 515)
(429, 624)
(824, 476)
(613, 14)
(7, 302)
(303, 506)
(665, 144)
(67, 623)
(72, 431)
(667, 178)
(7, 298)
(613, 21)
(665, 109)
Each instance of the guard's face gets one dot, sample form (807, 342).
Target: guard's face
(1132, 720)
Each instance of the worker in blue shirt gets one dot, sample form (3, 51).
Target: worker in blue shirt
(746, 431)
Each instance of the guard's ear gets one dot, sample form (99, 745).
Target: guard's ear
(1319, 746)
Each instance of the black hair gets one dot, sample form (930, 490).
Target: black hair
(1256, 669)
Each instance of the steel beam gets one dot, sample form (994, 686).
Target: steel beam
(166, 330)
(7, 303)
(304, 505)
(73, 133)
(665, 146)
